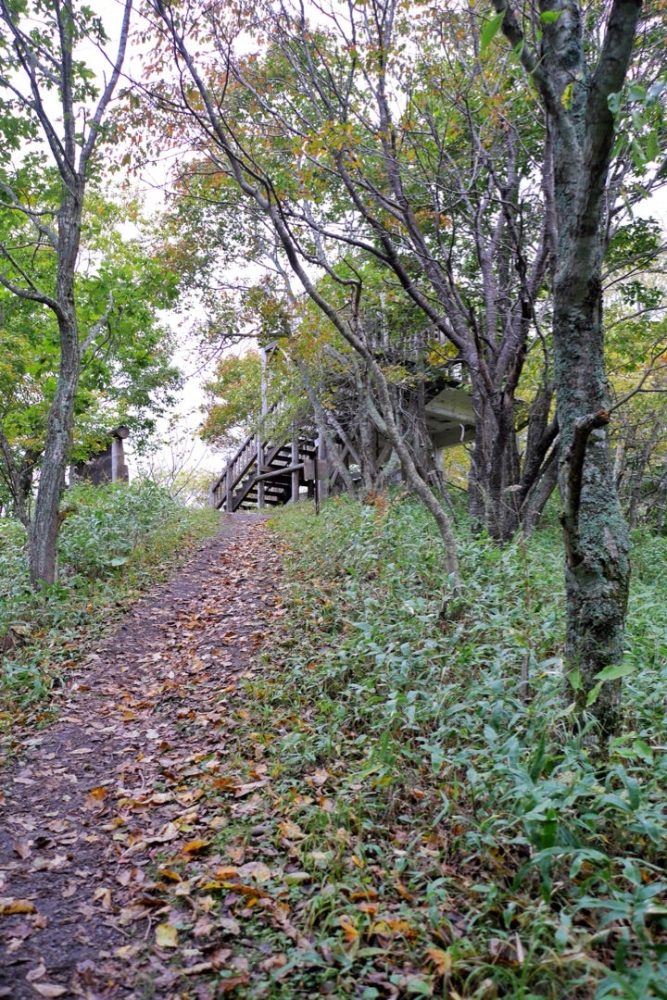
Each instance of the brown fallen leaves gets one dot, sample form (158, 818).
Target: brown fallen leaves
(116, 816)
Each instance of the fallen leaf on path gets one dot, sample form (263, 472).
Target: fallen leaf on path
(49, 989)
(242, 790)
(257, 870)
(167, 833)
(229, 985)
(166, 936)
(103, 896)
(9, 907)
(195, 970)
(230, 925)
(193, 846)
(37, 973)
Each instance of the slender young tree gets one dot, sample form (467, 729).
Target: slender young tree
(52, 100)
(577, 90)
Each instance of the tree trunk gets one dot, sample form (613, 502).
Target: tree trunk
(43, 535)
(538, 495)
(495, 469)
(639, 467)
(45, 522)
(596, 539)
(576, 96)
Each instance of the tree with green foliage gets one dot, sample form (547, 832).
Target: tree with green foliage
(126, 375)
(53, 106)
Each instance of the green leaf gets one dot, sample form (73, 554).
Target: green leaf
(638, 155)
(550, 16)
(489, 31)
(614, 103)
(636, 92)
(643, 750)
(652, 146)
(417, 986)
(575, 679)
(593, 695)
(615, 671)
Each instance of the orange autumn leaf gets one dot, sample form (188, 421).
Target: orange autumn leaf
(393, 926)
(349, 930)
(442, 960)
(226, 872)
(193, 846)
(172, 876)
(363, 894)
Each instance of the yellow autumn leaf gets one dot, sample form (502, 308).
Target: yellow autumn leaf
(166, 936)
(226, 872)
(393, 926)
(9, 907)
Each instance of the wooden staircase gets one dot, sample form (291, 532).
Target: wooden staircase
(266, 474)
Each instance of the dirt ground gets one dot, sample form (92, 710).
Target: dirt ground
(106, 807)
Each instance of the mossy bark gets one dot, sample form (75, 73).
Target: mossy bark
(575, 94)
(597, 568)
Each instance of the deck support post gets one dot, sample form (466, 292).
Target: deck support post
(296, 475)
(229, 500)
(260, 464)
(321, 469)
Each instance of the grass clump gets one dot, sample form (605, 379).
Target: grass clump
(458, 839)
(115, 542)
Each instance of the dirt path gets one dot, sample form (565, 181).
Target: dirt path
(111, 816)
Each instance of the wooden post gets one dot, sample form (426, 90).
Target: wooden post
(264, 353)
(260, 463)
(296, 476)
(119, 470)
(229, 501)
(323, 482)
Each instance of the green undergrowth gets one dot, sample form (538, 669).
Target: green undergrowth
(114, 543)
(456, 837)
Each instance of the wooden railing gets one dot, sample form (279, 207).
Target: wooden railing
(272, 470)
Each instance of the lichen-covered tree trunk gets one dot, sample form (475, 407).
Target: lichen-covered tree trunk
(575, 92)
(597, 567)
